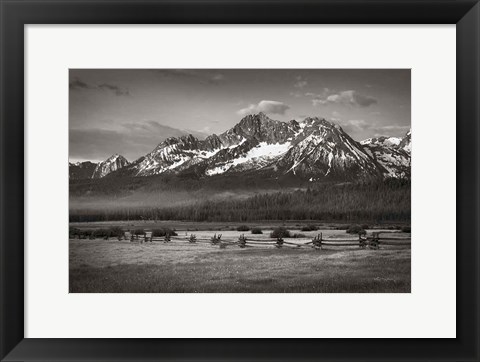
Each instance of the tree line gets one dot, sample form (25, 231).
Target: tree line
(376, 201)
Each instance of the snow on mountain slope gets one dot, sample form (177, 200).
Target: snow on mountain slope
(324, 149)
(391, 153)
(176, 154)
(257, 157)
(223, 151)
(406, 143)
(383, 141)
(113, 163)
(313, 148)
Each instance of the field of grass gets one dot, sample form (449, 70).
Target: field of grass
(111, 266)
(192, 226)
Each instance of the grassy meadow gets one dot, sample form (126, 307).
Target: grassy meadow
(112, 266)
(220, 205)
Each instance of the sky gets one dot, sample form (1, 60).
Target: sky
(130, 111)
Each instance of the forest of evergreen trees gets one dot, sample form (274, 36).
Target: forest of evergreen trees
(376, 202)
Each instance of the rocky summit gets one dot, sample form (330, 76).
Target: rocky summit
(314, 149)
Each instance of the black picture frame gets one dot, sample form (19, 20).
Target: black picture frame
(15, 14)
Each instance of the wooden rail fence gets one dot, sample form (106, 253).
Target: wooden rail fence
(373, 241)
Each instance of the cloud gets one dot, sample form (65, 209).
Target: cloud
(96, 144)
(354, 126)
(317, 102)
(359, 125)
(205, 129)
(154, 129)
(392, 130)
(348, 97)
(300, 82)
(132, 140)
(353, 98)
(296, 94)
(301, 117)
(318, 98)
(269, 107)
(117, 90)
(77, 84)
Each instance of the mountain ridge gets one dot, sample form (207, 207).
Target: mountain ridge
(313, 149)
(111, 164)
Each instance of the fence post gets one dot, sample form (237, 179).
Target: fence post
(317, 241)
(362, 242)
(279, 243)
(242, 241)
(374, 243)
(215, 239)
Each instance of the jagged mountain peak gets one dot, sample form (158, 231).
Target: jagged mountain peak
(260, 116)
(259, 128)
(81, 163)
(406, 143)
(319, 121)
(255, 122)
(113, 163)
(321, 148)
(391, 153)
(314, 148)
(382, 141)
(185, 139)
(115, 157)
(213, 142)
(81, 170)
(294, 123)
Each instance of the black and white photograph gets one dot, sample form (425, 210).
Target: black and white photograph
(239, 180)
